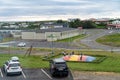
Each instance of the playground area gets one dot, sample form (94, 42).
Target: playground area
(79, 58)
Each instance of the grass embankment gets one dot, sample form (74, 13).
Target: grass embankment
(71, 39)
(26, 62)
(111, 40)
(7, 39)
(110, 64)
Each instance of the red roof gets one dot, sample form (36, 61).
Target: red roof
(114, 25)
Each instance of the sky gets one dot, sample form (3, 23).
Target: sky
(58, 9)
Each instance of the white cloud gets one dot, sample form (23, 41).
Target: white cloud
(69, 1)
(53, 9)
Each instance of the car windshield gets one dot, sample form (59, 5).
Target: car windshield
(14, 65)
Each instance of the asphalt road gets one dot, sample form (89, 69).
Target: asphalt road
(88, 41)
(94, 34)
(33, 74)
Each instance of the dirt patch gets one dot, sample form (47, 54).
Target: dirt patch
(95, 75)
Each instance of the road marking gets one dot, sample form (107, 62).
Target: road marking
(1, 73)
(23, 75)
(46, 74)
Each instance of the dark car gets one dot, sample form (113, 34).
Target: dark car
(58, 67)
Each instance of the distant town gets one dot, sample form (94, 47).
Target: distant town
(40, 30)
(101, 23)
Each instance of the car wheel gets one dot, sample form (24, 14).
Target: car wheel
(3, 68)
(53, 75)
(20, 73)
(66, 75)
(6, 74)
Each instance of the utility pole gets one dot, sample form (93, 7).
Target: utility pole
(52, 37)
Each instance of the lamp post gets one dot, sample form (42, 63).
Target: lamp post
(52, 37)
(111, 41)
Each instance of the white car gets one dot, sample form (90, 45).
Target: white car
(15, 59)
(12, 67)
(21, 44)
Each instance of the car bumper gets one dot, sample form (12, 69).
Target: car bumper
(14, 71)
(61, 73)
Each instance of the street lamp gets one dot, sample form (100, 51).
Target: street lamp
(111, 41)
(52, 37)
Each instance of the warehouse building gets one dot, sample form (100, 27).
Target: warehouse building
(52, 34)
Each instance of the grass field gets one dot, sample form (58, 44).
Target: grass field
(110, 64)
(71, 39)
(112, 40)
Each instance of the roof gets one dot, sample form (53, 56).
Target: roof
(114, 25)
(53, 24)
(14, 58)
(51, 30)
(59, 60)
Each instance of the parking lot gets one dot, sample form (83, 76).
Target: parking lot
(33, 74)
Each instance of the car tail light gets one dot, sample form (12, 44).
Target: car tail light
(54, 68)
(8, 67)
(20, 66)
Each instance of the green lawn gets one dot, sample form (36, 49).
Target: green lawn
(26, 62)
(71, 39)
(9, 39)
(110, 64)
(100, 27)
(112, 40)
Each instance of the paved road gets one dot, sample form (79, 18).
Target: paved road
(43, 44)
(94, 34)
(33, 74)
(89, 41)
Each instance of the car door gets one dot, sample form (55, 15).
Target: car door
(5, 66)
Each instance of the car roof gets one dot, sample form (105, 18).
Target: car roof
(14, 58)
(22, 42)
(59, 60)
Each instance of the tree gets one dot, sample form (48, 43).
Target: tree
(59, 21)
(75, 23)
(88, 24)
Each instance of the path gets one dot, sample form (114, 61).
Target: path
(94, 34)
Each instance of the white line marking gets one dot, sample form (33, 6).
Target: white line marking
(46, 74)
(1, 73)
(23, 75)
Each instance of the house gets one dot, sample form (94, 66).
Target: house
(114, 25)
(100, 21)
(14, 33)
(52, 25)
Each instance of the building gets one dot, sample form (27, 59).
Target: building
(52, 25)
(14, 33)
(100, 21)
(52, 34)
(114, 25)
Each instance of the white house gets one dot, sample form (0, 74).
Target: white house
(116, 22)
(114, 25)
(51, 25)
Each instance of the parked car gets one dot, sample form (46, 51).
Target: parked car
(15, 59)
(12, 67)
(21, 44)
(58, 67)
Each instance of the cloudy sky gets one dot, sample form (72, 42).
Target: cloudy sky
(58, 9)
